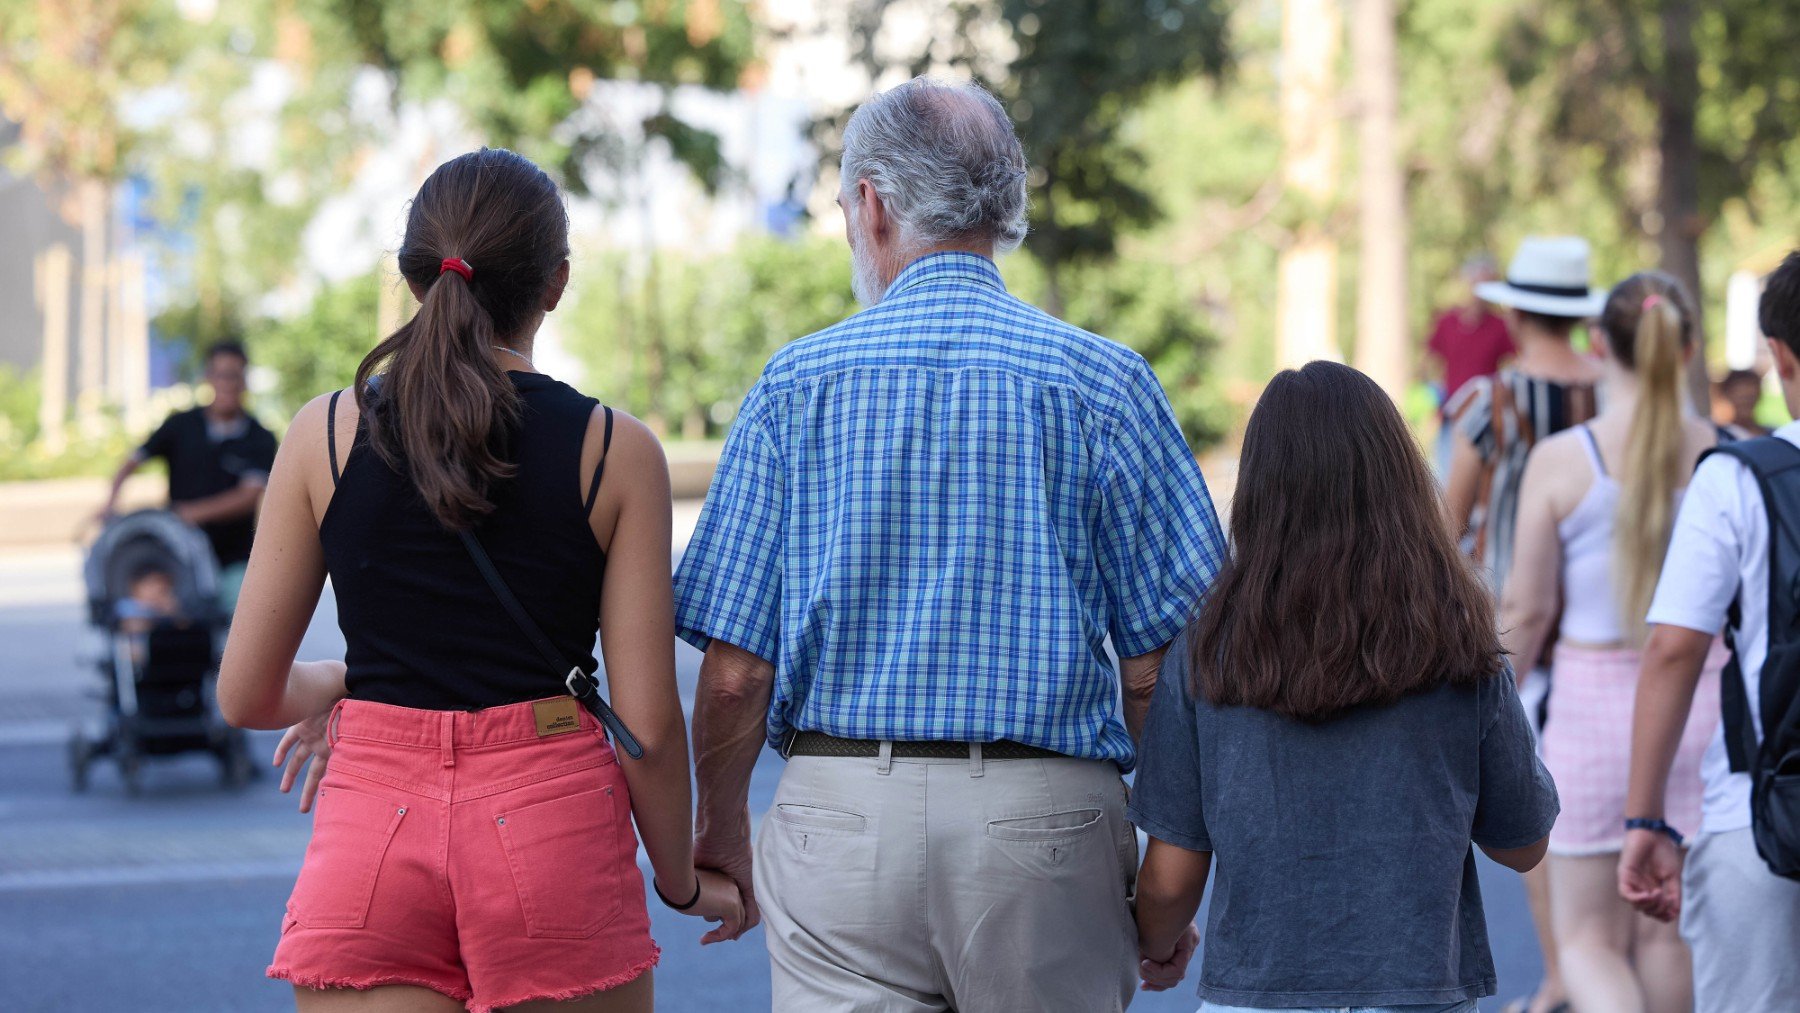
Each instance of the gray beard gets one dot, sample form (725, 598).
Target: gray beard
(865, 278)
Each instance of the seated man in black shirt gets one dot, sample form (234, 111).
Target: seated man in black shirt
(219, 459)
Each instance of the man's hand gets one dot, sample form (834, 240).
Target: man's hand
(1162, 975)
(727, 851)
(1650, 874)
(310, 740)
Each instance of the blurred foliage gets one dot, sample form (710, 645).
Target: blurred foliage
(680, 342)
(318, 350)
(1078, 71)
(18, 405)
(522, 72)
(63, 68)
(93, 451)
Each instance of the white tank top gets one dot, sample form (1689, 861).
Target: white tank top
(1590, 605)
(1591, 610)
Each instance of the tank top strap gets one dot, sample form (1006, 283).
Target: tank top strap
(1592, 446)
(331, 436)
(599, 469)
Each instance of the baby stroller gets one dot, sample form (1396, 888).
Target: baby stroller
(152, 588)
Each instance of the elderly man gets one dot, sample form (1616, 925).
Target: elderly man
(925, 524)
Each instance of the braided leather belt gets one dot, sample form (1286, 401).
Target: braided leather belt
(820, 744)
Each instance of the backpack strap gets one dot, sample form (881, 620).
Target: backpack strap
(1768, 458)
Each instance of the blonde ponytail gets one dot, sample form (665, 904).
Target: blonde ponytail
(1656, 458)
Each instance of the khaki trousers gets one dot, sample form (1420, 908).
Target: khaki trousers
(894, 886)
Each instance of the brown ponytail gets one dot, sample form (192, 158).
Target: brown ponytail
(1649, 325)
(442, 411)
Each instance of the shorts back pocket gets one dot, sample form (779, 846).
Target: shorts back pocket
(351, 834)
(565, 860)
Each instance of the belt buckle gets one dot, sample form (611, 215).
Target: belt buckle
(787, 743)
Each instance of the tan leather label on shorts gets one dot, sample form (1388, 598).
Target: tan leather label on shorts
(555, 717)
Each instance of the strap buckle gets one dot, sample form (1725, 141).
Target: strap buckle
(579, 683)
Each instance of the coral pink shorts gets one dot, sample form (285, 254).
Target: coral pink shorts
(467, 853)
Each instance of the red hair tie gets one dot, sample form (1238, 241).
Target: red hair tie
(1652, 300)
(459, 265)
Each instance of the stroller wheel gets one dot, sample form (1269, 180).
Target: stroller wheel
(81, 753)
(131, 764)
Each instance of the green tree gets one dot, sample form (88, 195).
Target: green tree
(523, 72)
(679, 340)
(1080, 69)
(1671, 110)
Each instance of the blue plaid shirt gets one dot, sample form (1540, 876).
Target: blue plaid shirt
(931, 516)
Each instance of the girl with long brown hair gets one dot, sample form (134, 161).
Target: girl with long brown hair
(473, 843)
(1596, 509)
(1334, 730)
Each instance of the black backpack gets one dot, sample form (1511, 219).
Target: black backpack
(1774, 763)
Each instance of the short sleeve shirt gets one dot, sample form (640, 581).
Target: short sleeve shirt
(205, 460)
(933, 516)
(1469, 349)
(1342, 871)
(1719, 551)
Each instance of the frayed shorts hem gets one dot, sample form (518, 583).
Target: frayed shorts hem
(321, 982)
(619, 980)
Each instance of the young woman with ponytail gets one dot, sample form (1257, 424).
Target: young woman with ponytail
(1596, 510)
(473, 843)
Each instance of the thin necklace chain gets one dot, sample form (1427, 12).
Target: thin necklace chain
(510, 351)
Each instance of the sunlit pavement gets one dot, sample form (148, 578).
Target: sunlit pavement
(171, 901)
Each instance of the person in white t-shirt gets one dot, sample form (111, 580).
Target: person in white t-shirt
(1741, 921)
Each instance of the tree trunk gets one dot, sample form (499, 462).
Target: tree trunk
(133, 336)
(90, 392)
(1678, 180)
(53, 270)
(1382, 350)
(1306, 301)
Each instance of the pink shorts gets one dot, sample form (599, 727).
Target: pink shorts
(1587, 747)
(466, 853)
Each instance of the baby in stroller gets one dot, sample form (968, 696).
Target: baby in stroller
(150, 601)
(152, 597)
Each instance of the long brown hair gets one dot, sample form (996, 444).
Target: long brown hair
(442, 411)
(1649, 326)
(1344, 587)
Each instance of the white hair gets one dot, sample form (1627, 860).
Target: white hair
(945, 160)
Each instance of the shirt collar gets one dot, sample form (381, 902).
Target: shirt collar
(948, 265)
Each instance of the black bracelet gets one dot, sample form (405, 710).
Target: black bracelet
(1660, 826)
(689, 906)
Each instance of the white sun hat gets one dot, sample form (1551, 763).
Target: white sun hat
(1548, 275)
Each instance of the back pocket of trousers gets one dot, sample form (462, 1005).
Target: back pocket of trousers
(565, 857)
(351, 834)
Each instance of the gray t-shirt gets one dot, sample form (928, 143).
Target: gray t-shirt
(1342, 873)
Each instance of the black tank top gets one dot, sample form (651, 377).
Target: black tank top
(421, 627)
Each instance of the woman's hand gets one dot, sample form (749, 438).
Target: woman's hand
(310, 740)
(719, 902)
(1162, 975)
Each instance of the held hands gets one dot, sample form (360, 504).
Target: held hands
(1650, 874)
(728, 852)
(719, 901)
(1162, 975)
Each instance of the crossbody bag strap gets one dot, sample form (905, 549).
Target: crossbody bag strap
(582, 686)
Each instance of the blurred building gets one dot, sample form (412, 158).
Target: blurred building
(77, 319)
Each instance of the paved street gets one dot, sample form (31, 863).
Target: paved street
(170, 901)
